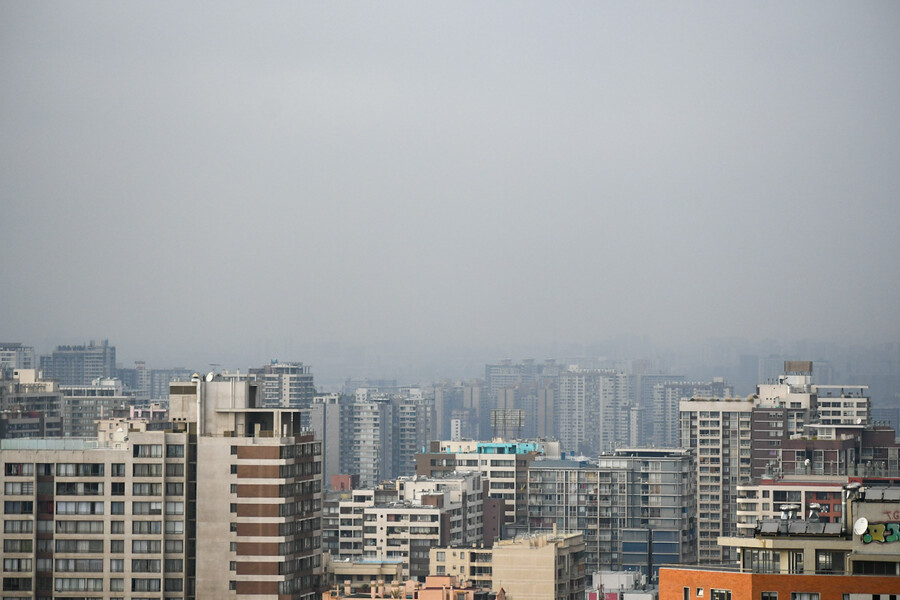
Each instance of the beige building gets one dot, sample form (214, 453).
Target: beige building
(547, 566)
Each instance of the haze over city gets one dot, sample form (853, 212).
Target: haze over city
(230, 183)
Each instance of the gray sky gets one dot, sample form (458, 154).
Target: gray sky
(235, 179)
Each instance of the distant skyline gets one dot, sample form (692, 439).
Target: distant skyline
(234, 183)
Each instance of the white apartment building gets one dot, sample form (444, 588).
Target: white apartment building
(592, 410)
(719, 431)
(403, 521)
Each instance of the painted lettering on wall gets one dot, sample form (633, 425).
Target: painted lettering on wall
(882, 533)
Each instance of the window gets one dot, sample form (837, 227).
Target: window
(17, 546)
(117, 488)
(12, 565)
(148, 450)
(174, 565)
(145, 585)
(79, 546)
(234, 469)
(117, 546)
(19, 488)
(146, 508)
(174, 470)
(234, 488)
(18, 508)
(720, 594)
(117, 508)
(174, 489)
(117, 469)
(18, 526)
(768, 596)
(804, 596)
(174, 450)
(174, 508)
(18, 469)
(175, 527)
(144, 565)
(145, 546)
(147, 470)
(117, 526)
(146, 489)
(116, 565)
(79, 508)
(116, 585)
(146, 527)
(234, 450)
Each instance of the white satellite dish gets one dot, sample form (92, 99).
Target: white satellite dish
(210, 376)
(861, 526)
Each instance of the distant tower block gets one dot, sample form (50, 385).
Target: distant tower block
(455, 430)
(507, 423)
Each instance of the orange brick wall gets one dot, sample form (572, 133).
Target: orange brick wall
(749, 586)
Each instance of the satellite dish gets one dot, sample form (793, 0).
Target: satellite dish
(861, 526)
(210, 376)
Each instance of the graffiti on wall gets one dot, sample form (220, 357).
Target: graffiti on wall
(882, 533)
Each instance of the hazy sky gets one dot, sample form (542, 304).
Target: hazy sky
(194, 179)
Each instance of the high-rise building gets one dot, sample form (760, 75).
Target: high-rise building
(593, 413)
(402, 520)
(286, 384)
(367, 440)
(30, 407)
(642, 385)
(667, 398)
(222, 504)
(259, 483)
(412, 423)
(636, 507)
(14, 355)
(503, 466)
(719, 432)
(85, 405)
(80, 365)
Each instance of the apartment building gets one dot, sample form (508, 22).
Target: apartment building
(503, 466)
(536, 566)
(636, 507)
(719, 432)
(593, 410)
(225, 503)
(15, 355)
(764, 498)
(86, 520)
(404, 519)
(84, 405)
(285, 384)
(667, 399)
(30, 406)
(80, 365)
(807, 559)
